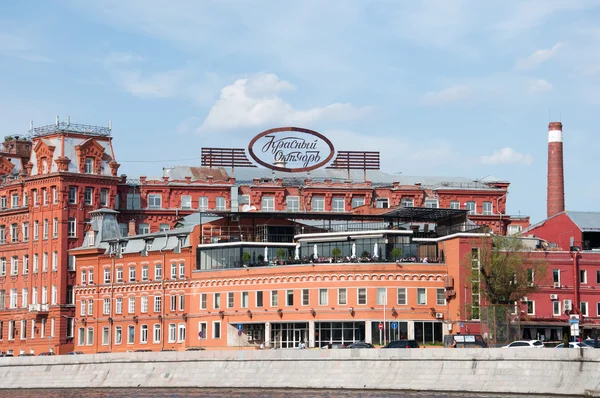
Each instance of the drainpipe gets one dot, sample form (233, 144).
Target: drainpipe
(164, 297)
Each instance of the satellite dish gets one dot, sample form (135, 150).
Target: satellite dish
(246, 208)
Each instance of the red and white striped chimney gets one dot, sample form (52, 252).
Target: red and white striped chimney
(556, 181)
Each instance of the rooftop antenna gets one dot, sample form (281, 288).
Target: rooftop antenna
(110, 124)
(31, 125)
(68, 119)
(57, 121)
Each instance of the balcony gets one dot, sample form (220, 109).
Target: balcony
(41, 308)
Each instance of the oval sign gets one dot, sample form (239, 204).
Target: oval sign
(291, 149)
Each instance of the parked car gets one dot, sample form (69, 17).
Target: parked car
(143, 351)
(360, 344)
(332, 346)
(195, 349)
(574, 345)
(75, 353)
(464, 341)
(45, 354)
(525, 344)
(592, 343)
(6, 355)
(26, 355)
(402, 344)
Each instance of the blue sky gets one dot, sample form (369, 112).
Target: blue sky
(449, 87)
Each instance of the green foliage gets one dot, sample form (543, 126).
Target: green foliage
(261, 258)
(504, 270)
(246, 257)
(336, 252)
(396, 253)
(281, 253)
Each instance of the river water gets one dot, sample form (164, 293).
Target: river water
(234, 393)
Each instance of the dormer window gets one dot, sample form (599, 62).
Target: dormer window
(44, 165)
(149, 245)
(91, 238)
(89, 165)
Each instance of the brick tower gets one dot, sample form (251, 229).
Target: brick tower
(556, 183)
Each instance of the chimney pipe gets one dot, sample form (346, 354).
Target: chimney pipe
(556, 182)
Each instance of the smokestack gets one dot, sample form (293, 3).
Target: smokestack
(556, 181)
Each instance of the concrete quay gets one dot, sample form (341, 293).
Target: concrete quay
(496, 370)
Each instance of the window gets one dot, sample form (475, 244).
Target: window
(83, 277)
(3, 202)
(289, 298)
(54, 195)
(81, 336)
(54, 295)
(89, 165)
(130, 334)
(2, 234)
(274, 298)
(342, 297)
(25, 264)
(407, 202)
(487, 208)
(323, 297)
(143, 229)
(89, 194)
(172, 333)
(14, 233)
(72, 228)
(181, 333)
(359, 201)
(119, 305)
(230, 300)
(11, 330)
(105, 333)
(583, 306)
(90, 305)
(144, 273)
(118, 335)
(103, 197)
(23, 329)
(318, 203)
(164, 227)
(244, 299)
(556, 308)
(173, 301)
(401, 296)
(203, 305)
(54, 261)
(45, 263)
(203, 203)
(598, 276)
(202, 331)
(361, 296)
(144, 305)
(382, 203)
(132, 274)
(181, 270)
(82, 307)
(186, 202)
(131, 305)
(119, 276)
(259, 299)
(268, 203)
(217, 301)
(431, 203)
(305, 297)
(582, 276)
(90, 336)
(133, 201)
(216, 330)
(3, 266)
(45, 228)
(44, 196)
(55, 227)
(156, 334)
(157, 303)
(221, 204)
(14, 265)
(36, 225)
(106, 275)
(455, 204)
(181, 302)
(24, 298)
(144, 334)
(292, 203)
(381, 296)
(106, 307)
(556, 276)
(530, 307)
(421, 296)
(470, 206)
(14, 200)
(25, 228)
(154, 201)
(440, 299)
(12, 299)
(338, 204)
(158, 271)
(72, 195)
(173, 270)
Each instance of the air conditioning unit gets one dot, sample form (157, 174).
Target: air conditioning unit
(567, 305)
(524, 299)
(235, 218)
(554, 297)
(439, 315)
(557, 285)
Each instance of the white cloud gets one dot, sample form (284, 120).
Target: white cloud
(121, 58)
(539, 86)
(255, 101)
(20, 47)
(507, 156)
(158, 85)
(446, 95)
(539, 57)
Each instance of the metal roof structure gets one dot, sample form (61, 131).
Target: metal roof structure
(62, 127)
(586, 221)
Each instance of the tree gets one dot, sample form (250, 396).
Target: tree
(281, 254)
(336, 252)
(246, 258)
(504, 270)
(396, 252)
